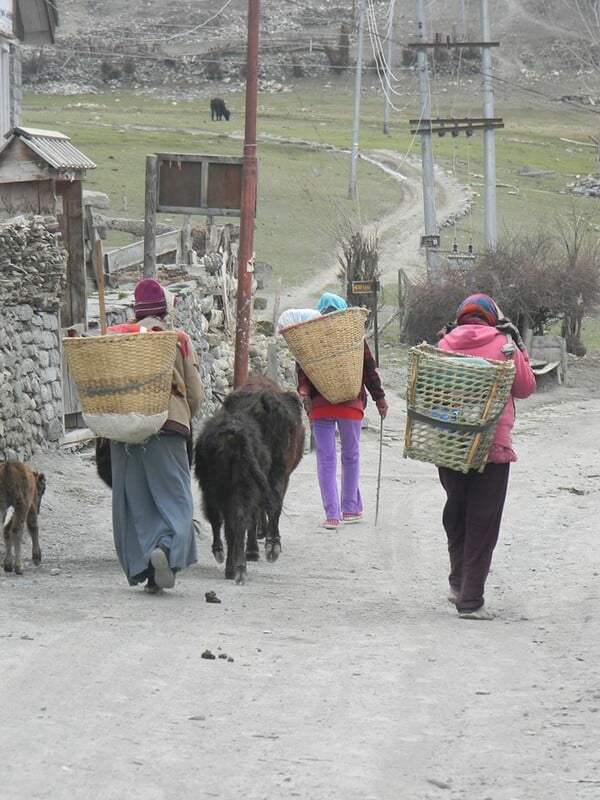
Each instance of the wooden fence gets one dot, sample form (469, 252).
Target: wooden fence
(132, 255)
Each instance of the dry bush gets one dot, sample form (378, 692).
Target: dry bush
(198, 239)
(426, 306)
(213, 69)
(359, 261)
(537, 279)
(110, 70)
(339, 57)
(34, 63)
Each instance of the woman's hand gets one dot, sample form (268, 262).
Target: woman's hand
(382, 407)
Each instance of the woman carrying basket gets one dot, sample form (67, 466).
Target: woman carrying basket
(475, 500)
(152, 502)
(346, 418)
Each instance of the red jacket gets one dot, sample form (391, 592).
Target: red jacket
(350, 409)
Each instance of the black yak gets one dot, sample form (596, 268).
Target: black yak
(232, 465)
(218, 109)
(279, 416)
(273, 419)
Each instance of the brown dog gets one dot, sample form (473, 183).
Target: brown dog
(21, 488)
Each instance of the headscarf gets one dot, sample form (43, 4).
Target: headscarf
(480, 306)
(331, 302)
(150, 299)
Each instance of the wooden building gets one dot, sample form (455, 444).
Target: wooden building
(41, 172)
(21, 22)
(35, 21)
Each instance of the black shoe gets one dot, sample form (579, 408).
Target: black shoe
(152, 587)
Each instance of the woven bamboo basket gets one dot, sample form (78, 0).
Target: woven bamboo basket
(330, 350)
(454, 403)
(123, 381)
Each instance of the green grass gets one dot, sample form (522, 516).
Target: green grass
(591, 335)
(303, 190)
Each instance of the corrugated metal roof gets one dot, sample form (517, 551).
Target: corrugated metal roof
(54, 147)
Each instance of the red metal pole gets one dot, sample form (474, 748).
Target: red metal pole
(248, 204)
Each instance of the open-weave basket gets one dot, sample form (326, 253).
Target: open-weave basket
(330, 350)
(453, 406)
(123, 381)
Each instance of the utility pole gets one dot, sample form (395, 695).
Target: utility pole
(430, 213)
(453, 125)
(247, 204)
(357, 89)
(463, 27)
(489, 142)
(388, 69)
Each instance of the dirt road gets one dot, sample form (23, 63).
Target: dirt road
(341, 672)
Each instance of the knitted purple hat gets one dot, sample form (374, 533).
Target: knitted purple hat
(150, 299)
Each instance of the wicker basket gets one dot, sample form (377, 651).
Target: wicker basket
(330, 350)
(454, 403)
(123, 381)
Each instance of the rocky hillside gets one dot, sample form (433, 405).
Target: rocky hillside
(192, 47)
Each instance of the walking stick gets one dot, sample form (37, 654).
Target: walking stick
(379, 469)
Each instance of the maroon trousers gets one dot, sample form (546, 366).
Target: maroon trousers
(471, 519)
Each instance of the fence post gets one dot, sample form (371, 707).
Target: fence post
(150, 216)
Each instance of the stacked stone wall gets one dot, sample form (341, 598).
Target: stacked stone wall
(32, 269)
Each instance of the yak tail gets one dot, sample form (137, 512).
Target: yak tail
(257, 473)
(225, 447)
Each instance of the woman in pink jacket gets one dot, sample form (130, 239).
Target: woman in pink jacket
(475, 500)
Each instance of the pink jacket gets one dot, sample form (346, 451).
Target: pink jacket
(483, 340)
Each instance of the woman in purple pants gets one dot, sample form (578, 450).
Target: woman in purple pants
(345, 418)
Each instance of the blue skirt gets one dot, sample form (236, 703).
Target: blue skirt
(152, 503)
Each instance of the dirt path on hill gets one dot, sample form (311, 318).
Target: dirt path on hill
(399, 232)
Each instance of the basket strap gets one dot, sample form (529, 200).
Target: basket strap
(99, 390)
(457, 427)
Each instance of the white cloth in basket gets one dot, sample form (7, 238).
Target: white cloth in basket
(295, 315)
(130, 428)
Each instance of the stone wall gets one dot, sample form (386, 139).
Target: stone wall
(32, 266)
(32, 269)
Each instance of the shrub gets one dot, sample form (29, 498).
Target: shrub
(213, 70)
(110, 71)
(359, 261)
(33, 63)
(537, 279)
(339, 57)
(129, 67)
(426, 306)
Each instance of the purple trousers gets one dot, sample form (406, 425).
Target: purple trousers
(324, 430)
(471, 519)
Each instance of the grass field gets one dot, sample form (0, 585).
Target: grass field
(303, 188)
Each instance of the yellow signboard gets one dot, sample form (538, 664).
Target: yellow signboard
(364, 287)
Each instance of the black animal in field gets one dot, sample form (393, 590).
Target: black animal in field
(267, 420)
(218, 109)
